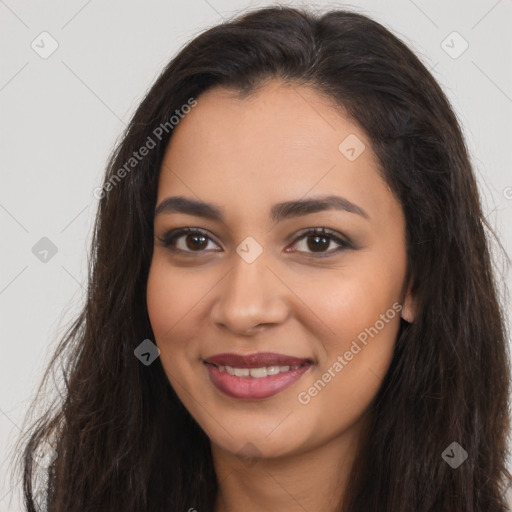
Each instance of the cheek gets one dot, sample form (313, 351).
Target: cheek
(354, 298)
(168, 302)
(360, 305)
(353, 362)
(178, 315)
(173, 294)
(161, 299)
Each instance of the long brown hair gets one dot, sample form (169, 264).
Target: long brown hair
(124, 440)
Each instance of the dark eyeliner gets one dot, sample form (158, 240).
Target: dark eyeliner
(344, 243)
(169, 237)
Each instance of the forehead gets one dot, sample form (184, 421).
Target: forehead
(282, 142)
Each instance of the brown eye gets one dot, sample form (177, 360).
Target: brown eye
(196, 242)
(186, 240)
(317, 241)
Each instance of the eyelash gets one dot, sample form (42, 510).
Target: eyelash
(169, 238)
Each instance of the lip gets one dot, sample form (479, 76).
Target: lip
(255, 360)
(250, 388)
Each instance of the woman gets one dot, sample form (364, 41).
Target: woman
(291, 303)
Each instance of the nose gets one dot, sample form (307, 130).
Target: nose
(250, 297)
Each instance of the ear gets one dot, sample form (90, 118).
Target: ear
(409, 305)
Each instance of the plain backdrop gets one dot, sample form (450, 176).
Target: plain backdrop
(61, 114)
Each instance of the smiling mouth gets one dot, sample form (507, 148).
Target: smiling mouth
(251, 382)
(257, 373)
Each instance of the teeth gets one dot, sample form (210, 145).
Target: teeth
(257, 373)
(274, 370)
(241, 372)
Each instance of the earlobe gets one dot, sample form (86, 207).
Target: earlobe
(409, 306)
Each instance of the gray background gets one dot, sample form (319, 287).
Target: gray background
(61, 116)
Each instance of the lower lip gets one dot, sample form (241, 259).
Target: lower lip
(250, 387)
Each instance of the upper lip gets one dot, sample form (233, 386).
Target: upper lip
(257, 360)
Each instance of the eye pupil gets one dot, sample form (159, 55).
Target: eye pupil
(318, 245)
(202, 244)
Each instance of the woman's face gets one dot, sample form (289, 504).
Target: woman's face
(253, 282)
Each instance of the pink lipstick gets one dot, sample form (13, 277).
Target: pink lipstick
(254, 376)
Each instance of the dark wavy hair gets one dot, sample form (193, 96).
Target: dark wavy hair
(124, 440)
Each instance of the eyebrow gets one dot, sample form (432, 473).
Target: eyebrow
(278, 213)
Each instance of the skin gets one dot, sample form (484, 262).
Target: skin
(245, 155)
